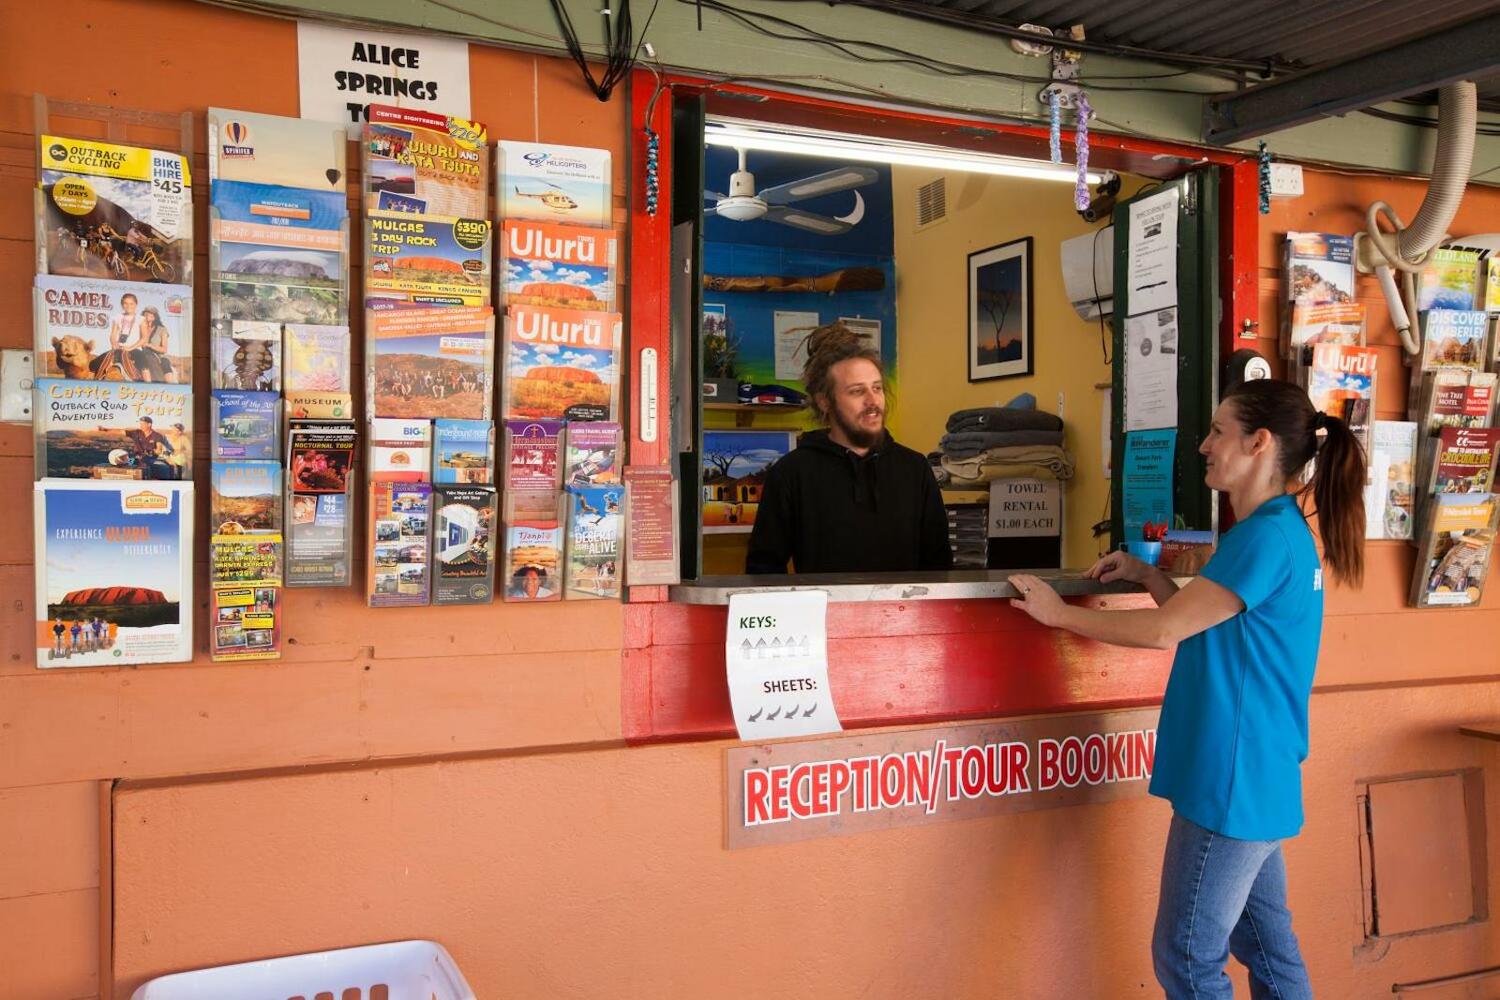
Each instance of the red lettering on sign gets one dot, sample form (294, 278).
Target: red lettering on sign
(757, 796)
(778, 793)
(1093, 759)
(1049, 773)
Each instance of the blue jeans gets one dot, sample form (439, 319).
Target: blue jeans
(1220, 896)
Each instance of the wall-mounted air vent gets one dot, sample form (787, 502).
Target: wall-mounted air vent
(932, 203)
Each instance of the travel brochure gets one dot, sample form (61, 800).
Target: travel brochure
(399, 532)
(463, 544)
(112, 430)
(567, 267)
(431, 362)
(463, 451)
(427, 260)
(551, 183)
(279, 254)
(245, 623)
(114, 573)
(561, 364)
(122, 331)
(422, 163)
(124, 213)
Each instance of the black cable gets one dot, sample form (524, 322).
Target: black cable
(899, 56)
(620, 48)
(1483, 128)
(969, 20)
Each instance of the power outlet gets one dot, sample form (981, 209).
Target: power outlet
(1286, 180)
(15, 386)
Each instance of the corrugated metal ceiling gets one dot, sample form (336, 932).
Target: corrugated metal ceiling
(1303, 33)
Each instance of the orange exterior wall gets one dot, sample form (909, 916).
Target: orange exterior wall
(516, 829)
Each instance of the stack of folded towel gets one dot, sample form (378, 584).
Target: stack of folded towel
(1016, 441)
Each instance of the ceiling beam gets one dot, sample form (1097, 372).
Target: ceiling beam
(1467, 51)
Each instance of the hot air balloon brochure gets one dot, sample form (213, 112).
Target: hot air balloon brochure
(561, 364)
(553, 183)
(549, 264)
(112, 430)
(431, 362)
(279, 253)
(427, 260)
(124, 331)
(110, 211)
(417, 161)
(271, 149)
(114, 573)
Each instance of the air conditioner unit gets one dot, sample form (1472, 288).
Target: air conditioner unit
(1088, 267)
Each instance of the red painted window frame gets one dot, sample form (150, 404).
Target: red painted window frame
(894, 662)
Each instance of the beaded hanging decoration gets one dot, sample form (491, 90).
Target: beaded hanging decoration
(1265, 179)
(653, 148)
(1081, 150)
(1054, 107)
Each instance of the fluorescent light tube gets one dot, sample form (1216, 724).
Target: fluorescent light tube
(862, 150)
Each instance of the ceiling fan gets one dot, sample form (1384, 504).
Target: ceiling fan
(743, 203)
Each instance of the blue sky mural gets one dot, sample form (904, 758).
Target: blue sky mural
(757, 248)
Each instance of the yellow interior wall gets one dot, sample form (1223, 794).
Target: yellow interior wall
(932, 324)
(931, 378)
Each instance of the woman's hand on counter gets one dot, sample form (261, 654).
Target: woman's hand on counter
(1124, 566)
(1037, 599)
(1118, 566)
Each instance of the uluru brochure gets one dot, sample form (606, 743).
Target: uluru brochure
(427, 260)
(550, 264)
(561, 364)
(279, 254)
(114, 579)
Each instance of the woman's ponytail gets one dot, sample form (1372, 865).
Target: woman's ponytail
(1338, 482)
(1338, 491)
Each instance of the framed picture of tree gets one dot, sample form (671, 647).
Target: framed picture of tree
(1000, 341)
(734, 471)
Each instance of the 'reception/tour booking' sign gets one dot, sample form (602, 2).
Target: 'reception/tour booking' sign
(784, 792)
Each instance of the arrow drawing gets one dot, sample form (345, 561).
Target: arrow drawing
(808, 714)
(773, 715)
(791, 711)
(756, 716)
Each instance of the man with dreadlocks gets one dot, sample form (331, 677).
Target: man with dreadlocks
(849, 499)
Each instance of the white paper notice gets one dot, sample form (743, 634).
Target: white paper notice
(1151, 370)
(791, 330)
(776, 654)
(340, 71)
(868, 330)
(1151, 277)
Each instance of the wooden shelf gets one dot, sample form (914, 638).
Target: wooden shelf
(744, 413)
(753, 407)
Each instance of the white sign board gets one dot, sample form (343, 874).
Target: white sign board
(1151, 272)
(1025, 508)
(341, 71)
(790, 330)
(776, 654)
(1151, 370)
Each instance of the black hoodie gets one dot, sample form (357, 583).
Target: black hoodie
(832, 511)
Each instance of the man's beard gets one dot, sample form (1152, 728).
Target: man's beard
(857, 435)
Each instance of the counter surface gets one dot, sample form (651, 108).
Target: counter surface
(951, 585)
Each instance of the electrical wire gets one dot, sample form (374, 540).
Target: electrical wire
(894, 55)
(1489, 128)
(620, 47)
(971, 20)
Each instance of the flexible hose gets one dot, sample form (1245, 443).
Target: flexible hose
(1458, 114)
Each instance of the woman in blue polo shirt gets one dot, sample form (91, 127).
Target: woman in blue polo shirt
(1233, 729)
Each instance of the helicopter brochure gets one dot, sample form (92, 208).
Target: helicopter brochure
(553, 183)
